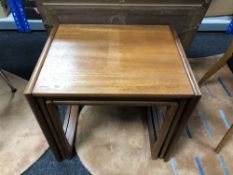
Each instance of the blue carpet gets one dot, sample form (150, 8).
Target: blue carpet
(20, 52)
(47, 165)
(209, 43)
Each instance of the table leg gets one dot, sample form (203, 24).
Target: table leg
(191, 104)
(52, 126)
(65, 134)
(172, 127)
(157, 139)
(41, 119)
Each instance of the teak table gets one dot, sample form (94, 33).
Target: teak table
(112, 65)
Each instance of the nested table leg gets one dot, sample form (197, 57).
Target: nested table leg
(178, 114)
(179, 128)
(158, 135)
(65, 134)
(50, 120)
(46, 129)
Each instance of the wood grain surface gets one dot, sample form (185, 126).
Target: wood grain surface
(106, 60)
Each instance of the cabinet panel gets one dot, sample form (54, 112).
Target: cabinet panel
(183, 16)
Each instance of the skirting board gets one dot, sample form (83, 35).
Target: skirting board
(208, 23)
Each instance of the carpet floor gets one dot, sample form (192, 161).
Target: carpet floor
(22, 141)
(112, 139)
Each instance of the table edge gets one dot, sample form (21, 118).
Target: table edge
(186, 63)
(31, 83)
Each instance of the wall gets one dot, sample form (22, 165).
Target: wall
(220, 8)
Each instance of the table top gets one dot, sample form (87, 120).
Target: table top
(113, 60)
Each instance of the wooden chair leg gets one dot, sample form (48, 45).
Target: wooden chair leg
(226, 137)
(13, 89)
(220, 63)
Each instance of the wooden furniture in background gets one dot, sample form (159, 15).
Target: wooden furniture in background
(112, 65)
(183, 15)
(218, 65)
(4, 77)
(226, 137)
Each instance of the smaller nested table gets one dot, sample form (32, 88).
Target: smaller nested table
(113, 65)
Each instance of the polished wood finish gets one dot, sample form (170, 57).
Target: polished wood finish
(40, 63)
(184, 15)
(226, 138)
(33, 102)
(116, 102)
(190, 106)
(72, 123)
(172, 129)
(58, 128)
(95, 65)
(107, 60)
(65, 138)
(157, 141)
(218, 65)
(40, 117)
(186, 64)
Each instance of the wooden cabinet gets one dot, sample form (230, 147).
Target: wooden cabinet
(183, 15)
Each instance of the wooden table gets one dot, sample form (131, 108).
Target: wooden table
(112, 65)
